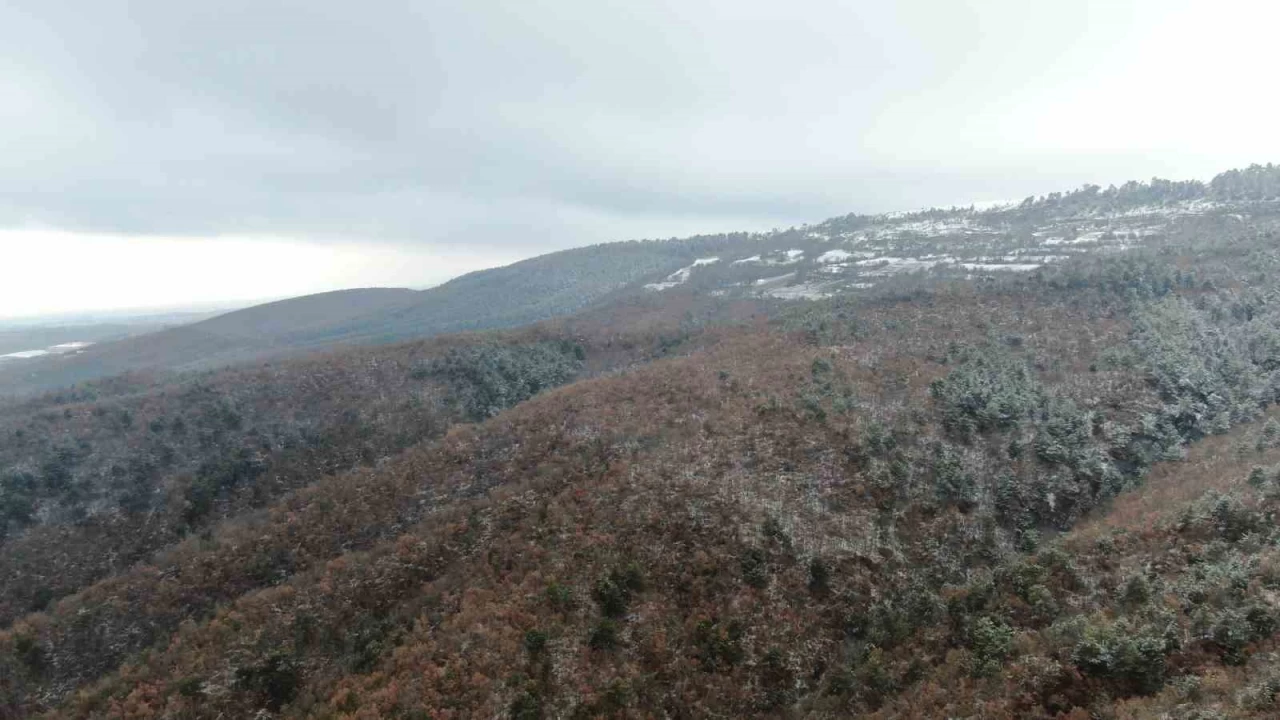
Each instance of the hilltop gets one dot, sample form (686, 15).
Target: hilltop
(846, 255)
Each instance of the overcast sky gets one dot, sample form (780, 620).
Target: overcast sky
(158, 152)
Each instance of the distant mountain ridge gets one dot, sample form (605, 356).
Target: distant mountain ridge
(846, 254)
(537, 289)
(259, 331)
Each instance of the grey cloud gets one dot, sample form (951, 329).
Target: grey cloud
(534, 123)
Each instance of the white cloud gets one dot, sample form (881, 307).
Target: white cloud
(50, 271)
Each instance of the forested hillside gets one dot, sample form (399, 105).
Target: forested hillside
(961, 486)
(854, 254)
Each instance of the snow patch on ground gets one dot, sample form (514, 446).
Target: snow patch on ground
(889, 265)
(778, 287)
(803, 291)
(1008, 267)
(1017, 258)
(933, 228)
(832, 256)
(787, 257)
(680, 276)
(775, 279)
(660, 286)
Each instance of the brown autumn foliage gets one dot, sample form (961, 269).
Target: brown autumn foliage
(959, 502)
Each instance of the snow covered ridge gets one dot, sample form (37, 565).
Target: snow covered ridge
(681, 276)
(784, 257)
(776, 280)
(855, 252)
(832, 256)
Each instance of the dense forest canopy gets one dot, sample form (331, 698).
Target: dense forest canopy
(942, 483)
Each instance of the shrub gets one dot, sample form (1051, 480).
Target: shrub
(953, 484)
(1262, 620)
(819, 576)
(614, 591)
(1043, 605)
(719, 646)
(535, 641)
(18, 493)
(873, 678)
(559, 597)
(275, 680)
(526, 707)
(1261, 695)
(1269, 437)
(776, 679)
(773, 530)
(1064, 435)
(30, 654)
(991, 642)
(1220, 516)
(755, 568)
(1136, 591)
(604, 635)
(40, 599)
(1257, 476)
(190, 687)
(1231, 632)
(988, 390)
(1131, 657)
(893, 618)
(1232, 520)
(611, 597)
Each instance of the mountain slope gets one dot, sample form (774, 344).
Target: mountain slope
(537, 289)
(255, 332)
(843, 255)
(543, 287)
(1007, 494)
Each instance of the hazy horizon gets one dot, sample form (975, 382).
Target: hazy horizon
(168, 156)
(322, 265)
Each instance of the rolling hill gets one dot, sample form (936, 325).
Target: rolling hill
(850, 254)
(966, 490)
(251, 333)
